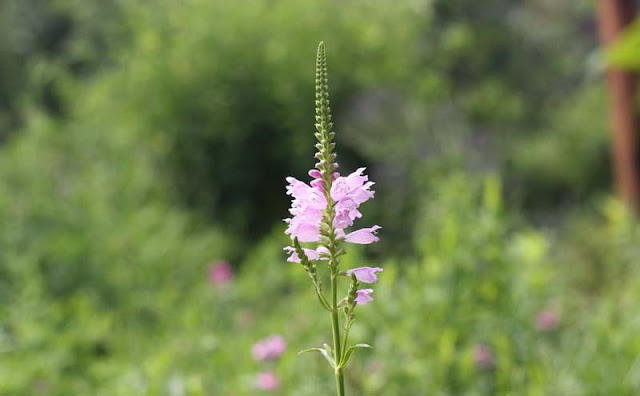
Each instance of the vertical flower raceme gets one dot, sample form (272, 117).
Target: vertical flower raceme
(323, 214)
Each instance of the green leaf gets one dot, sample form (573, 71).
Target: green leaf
(350, 351)
(327, 354)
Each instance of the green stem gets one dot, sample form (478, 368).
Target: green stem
(337, 351)
(346, 337)
(322, 299)
(340, 382)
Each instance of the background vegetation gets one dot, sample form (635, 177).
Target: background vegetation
(140, 142)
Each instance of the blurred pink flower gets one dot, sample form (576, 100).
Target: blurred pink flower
(483, 356)
(547, 320)
(269, 348)
(220, 272)
(267, 381)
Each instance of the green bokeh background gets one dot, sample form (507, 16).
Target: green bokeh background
(142, 141)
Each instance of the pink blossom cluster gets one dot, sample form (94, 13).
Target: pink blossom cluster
(269, 348)
(265, 350)
(547, 320)
(306, 208)
(483, 357)
(220, 273)
(267, 381)
(309, 203)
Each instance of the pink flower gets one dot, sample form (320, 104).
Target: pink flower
(363, 236)
(483, 357)
(342, 219)
(316, 174)
(309, 201)
(220, 272)
(293, 258)
(305, 195)
(365, 274)
(364, 296)
(269, 348)
(267, 381)
(355, 186)
(349, 192)
(547, 321)
(306, 208)
(305, 229)
(319, 254)
(350, 205)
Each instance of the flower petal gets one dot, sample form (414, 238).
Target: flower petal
(363, 296)
(363, 236)
(365, 274)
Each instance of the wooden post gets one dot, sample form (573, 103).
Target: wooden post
(613, 16)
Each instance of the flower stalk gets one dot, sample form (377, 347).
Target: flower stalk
(321, 212)
(336, 338)
(326, 166)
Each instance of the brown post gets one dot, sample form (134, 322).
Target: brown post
(613, 16)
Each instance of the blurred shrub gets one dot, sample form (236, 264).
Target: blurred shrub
(41, 42)
(413, 83)
(597, 254)
(232, 101)
(598, 247)
(477, 284)
(229, 103)
(567, 161)
(91, 253)
(134, 313)
(103, 285)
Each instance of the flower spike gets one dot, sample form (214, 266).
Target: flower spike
(324, 126)
(321, 212)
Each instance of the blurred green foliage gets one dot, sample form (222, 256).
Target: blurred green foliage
(415, 84)
(41, 43)
(141, 142)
